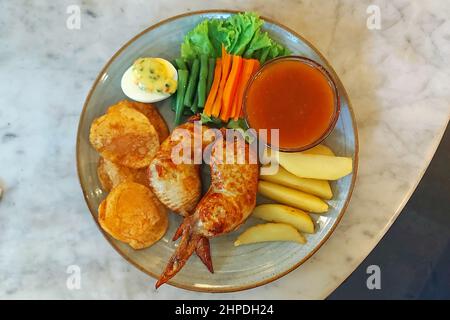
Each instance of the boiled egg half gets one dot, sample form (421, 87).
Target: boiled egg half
(150, 80)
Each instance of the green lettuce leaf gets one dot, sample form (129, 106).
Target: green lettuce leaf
(241, 126)
(210, 121)
(237, 124)
(240, 34)
(246, 24)
(220, 33)
(197, 42)
(260, 40)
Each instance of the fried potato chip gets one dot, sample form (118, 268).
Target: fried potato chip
(112, 174)
(103, 175)
(150, 112)
(102, 209)
(126, 137)
(132, 214)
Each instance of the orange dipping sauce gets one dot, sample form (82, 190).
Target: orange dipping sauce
(295, 97)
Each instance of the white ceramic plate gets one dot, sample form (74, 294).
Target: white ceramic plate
(235, 268)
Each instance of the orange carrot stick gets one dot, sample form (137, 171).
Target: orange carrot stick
(246, 63)
(249, 68)
(230, 88)
(215, 86)
(234, 108)
(226, 66)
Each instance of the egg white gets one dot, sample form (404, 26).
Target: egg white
(132, 90)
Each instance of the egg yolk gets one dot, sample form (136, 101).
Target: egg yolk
(152, 75)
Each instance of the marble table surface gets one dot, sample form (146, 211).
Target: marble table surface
(397, 78)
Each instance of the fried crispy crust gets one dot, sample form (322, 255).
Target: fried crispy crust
(111, 174)
(150, 112)
(178, 186)
(232, 194)
(103, 175)
(131, 213)
(227, 204)
(125, 136)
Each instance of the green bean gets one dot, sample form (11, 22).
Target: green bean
(173, 105)
(201, 88)
(188, 96)
(211, 68)
(186, 111)
(189, 64)
(183, 76)
(181, 64)
(173, 102)
(194, 105)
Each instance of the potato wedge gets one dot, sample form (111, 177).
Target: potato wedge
(292, 197)
(316, 166)
(269, 232)
(285, 214)
(125, 137)
(133, 214)
(320, 149)
(320, 188)
(148, 110)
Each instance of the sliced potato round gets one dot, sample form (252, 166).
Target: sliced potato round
(102, 209)
(150, 112)
(112, 174)
(270, 232)
(133, 214)
(103, 175)
(126, 137)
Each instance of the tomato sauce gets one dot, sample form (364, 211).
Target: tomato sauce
(295, 98)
